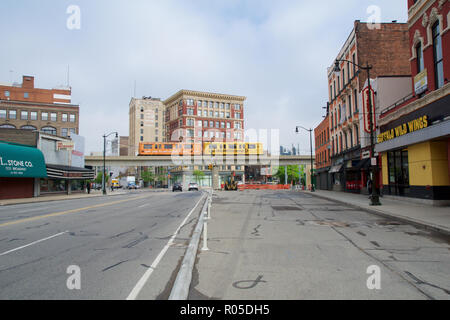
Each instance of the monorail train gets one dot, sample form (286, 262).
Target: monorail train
(207, 148)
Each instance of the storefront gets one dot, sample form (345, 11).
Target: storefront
(20, 169)
(415, 152)
(65, 179)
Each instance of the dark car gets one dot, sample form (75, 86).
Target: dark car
(193, 186)
(177, 186)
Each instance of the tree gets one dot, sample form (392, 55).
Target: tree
(148, 176)
(198, 175)
(98, 180)
(292, 173)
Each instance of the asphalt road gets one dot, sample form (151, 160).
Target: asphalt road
(112, 240)
(286, 245)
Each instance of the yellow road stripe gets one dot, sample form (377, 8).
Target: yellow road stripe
(56, 214)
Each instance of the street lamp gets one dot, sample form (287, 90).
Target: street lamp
(374, 197)
(312, 161)
(104, 160)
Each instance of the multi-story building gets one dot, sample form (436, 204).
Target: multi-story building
(22, 106)
(147, 124)
(414, 138)
(385, 48)
(123, 146)
(323, 153)
(193, 116)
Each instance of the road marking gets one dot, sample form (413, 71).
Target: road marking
(141, 283)
(144, 205)
(30, 244)
(56, 214)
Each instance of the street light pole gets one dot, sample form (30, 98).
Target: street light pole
(374, 197)
(312, 159)
(104, 160)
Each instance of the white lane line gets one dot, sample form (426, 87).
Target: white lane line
(141, 283)
(30, 244)
(144, 205)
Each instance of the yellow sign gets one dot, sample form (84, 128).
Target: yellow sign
(408, 127)
(421, 82)
(65, 145)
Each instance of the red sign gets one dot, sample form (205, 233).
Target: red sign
(368, 123)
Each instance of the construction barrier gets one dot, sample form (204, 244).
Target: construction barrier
(264, 187)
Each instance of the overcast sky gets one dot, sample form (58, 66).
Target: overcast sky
(273, 52)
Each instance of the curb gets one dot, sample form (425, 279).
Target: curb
(180, 289)
(417, 223)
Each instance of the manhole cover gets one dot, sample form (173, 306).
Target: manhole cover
(286, 208)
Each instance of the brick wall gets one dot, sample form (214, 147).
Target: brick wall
(386, 49)
(322, 142)
(24, 137)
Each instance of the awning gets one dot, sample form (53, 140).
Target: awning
(336, 169)
(69, 173)
(362, 164)
(19, 161)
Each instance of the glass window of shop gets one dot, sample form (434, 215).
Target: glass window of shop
(53, 185)
(398, 169)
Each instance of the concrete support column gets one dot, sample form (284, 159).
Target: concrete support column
(215, 178)
(68, 187)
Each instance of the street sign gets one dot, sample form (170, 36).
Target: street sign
(366, 155)
(369, 125)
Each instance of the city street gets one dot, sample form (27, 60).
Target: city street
(113, 240)
(291, 245)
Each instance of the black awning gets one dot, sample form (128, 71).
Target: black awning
(70, 173)
(363, 164)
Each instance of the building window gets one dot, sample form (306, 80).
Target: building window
(211, 114)
(26, 95)
(222, 125)
(205, 104)
(49, 130)
(64, 117)
(2, 114)
(211, 124)
(24, 115)
(228, 125)
(354, 64)
(438, 60)
(7, 126)
(355, 95)
(227, 106)
(64, 132)
(222, 114)
(7, 94)
(216, 114)
(44, 116)
(53, 116)
(199, 103)
(33, 115)
(237, 115)
(73, 131)
(205, 113)
(419, 55)
(205, 124)
(72, 118)
(190, 112)
(12, 114)
(221, 105)
(31, 128)
(142, 131)
(217, 124)
(228, 115)
(398, 171)
(199, 123)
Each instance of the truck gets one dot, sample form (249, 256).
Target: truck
(115, 184)
(131, 182)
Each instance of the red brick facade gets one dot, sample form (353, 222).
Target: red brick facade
(322, 144)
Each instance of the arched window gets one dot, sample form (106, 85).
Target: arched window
(28, 128)
(49, 130)
(7, 126)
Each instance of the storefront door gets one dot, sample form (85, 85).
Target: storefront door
(398, 172)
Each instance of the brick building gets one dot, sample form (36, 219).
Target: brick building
(323, 153)
(22, 106)
(386, 49)
(414, 138)
(200, 116)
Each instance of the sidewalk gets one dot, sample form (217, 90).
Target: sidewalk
(434, 218)
(60, 197)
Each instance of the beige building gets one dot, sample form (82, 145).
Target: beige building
(146, 122)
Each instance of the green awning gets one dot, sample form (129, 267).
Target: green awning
(17, 161)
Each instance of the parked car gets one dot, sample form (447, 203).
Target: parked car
(193, 186)
(177, 186)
